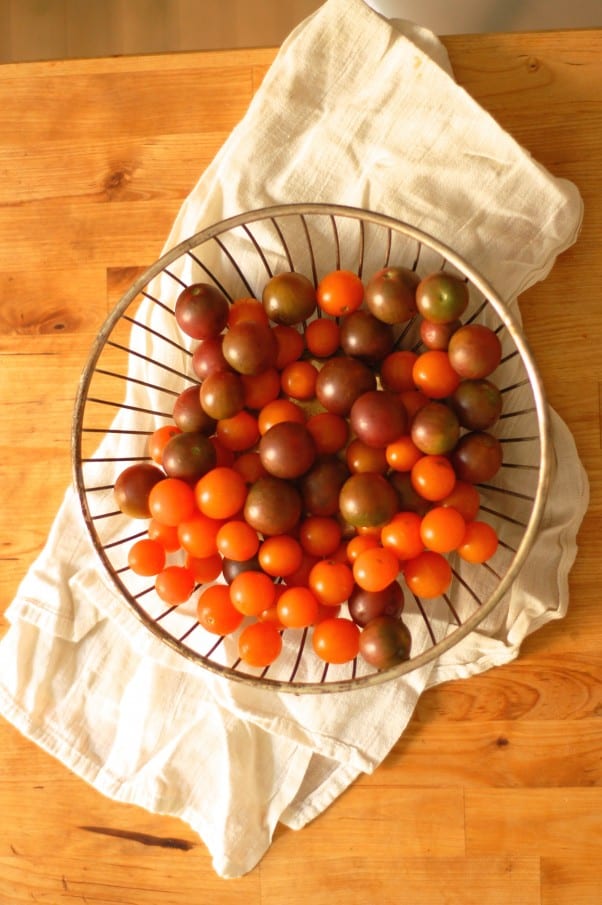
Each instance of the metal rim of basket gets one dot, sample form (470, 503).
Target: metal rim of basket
(543, 419)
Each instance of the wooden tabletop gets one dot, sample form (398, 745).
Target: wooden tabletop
(494, 793)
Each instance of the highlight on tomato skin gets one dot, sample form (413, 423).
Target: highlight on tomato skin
(334, 471)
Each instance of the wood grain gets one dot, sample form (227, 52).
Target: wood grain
(493, 793)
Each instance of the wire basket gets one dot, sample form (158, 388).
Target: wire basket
(141, 361)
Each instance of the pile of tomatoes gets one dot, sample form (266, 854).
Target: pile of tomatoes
(313, 467)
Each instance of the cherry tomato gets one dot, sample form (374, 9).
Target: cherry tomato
(376, 568)
(277, 411)
(336, 640)
(248, 465)
(329, 432)
(174, 584)
(215, 611)
(247, 309)
(402, 535)
(442, 529)
(252, 592)
(297, 607)
(427, 575)
(221, 493)
(237, 540)
(359, 543)
(479, 543)
(433, 477)
(322, 337)
(280, 555)
(434, 375)
(259, 389)
(332, 582)
(340, 292)
(402, 454)
(396, 371)
(171, 501)
(320, 535)
(204, 568)
(238, 433)
(146, 557)
(158, 441)
(167, 535)
(290, 344)
(259, 644)
(465, 498)
(298, 379)
(197, 535)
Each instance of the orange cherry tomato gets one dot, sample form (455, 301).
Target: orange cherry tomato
(247, 309)
(322, 337)
(465, 498)
(174, 584)
(442, 529)
(340, 292)
(146, 557)
(259, 644)
(402, 535)
(298, 379)
(336, 640)
(259, 389)
(290, 344)
(329, 432)
(158, 441)
(434, 375)
(332, 582)
(167, 535)
(238, 433)
(221, 492)
(433, 477)
(198, 535)
(479, 543)
(204, 568)
(252, 592)
(279, 410)
(359, 543)
(297, 607)
(402, 454)
(171, 501)
(237, 540)
(396, 371)
(320, 535)
(376, 568)
(248, 465)
(215, 611)
(280, 555)
(428, 575)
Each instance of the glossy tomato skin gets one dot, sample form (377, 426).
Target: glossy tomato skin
(474, 351)
(477, 403)
(477, 457)
(367, 605)
(367, 500)
(391, 294)
(189, 414)
(273, 506)
(287, 450)
(385, 642)
(201, 311)
(442, 297)
(133, 486)
(321, 485)
(365, 337)
(435, 429)
(188, 455)
(340, 381)
(250, 347)
(378, 418)
(289, 298)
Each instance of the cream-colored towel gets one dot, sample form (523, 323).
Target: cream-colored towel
(355, 110)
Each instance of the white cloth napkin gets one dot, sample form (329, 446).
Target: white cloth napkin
(355, 110)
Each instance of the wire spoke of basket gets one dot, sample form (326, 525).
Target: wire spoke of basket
(426, 619)
(209, 273)
(138, 381)
(130, 408)
(509, 519)
(111, 545)
(147, 358)
(166, 339)
(234, 264)
(299, 656)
